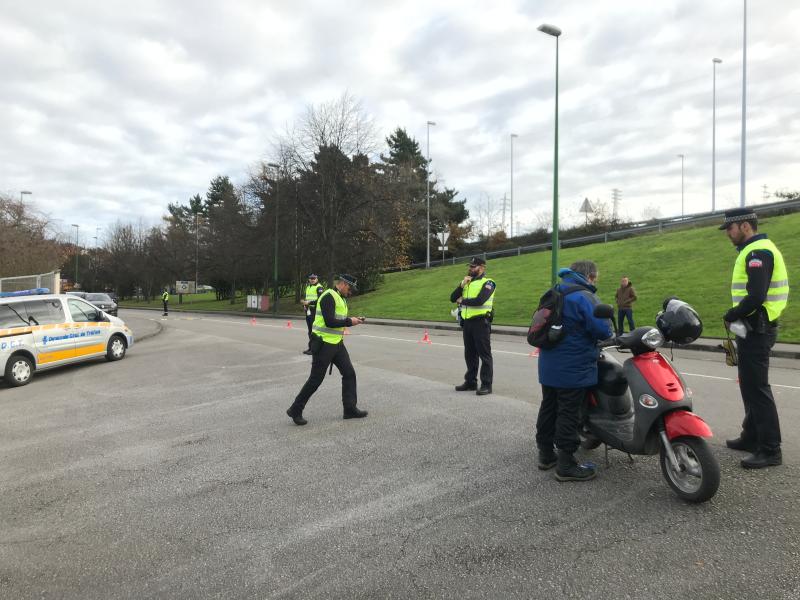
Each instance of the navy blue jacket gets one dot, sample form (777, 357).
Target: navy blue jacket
(573, 362)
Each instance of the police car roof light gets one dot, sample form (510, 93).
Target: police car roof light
(31, 292)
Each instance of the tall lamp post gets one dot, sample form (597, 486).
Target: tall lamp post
(555, 32)
(275, 263)
(77, 250)
(513, 135)
(681, 156)
(24, 193)
(744, 108)
(715, 62)
(428, 182)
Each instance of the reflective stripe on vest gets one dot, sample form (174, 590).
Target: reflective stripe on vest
(330, 335)
(472, 290)
(778, 293)
(311, 293)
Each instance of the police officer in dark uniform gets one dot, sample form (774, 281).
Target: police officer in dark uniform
(475, 298)
(327, 348)
(759, 292)
(310, 296)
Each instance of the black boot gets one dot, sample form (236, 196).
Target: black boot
(762, 458)
(296, 414)
(307, 351)
(467, 387)
(547, 459)
(569, 470)
(353, 412)
(742, 443)
(484, 389)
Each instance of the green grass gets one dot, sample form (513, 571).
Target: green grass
(694, 264)
(208, 301)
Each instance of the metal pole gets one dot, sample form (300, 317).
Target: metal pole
(681, 157)
(428, 184)
(275, 265)
(196, 251)
(554, 265)
(513, 135)
(744, 108)
(715, 62)
(77, 250)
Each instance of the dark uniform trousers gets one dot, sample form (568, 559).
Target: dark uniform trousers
(559, 418)
(478, 347)
(310, 322)
(326, 355)
(760, 423)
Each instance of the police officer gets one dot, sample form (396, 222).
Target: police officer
(760, 291)
(165, 301)
(475, 298)
(310, 296)
(327, 346)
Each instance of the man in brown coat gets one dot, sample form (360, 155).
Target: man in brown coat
(626, 296)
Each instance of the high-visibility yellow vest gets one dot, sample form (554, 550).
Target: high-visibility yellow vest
(311, 294)
(330, 335)
(471, 290)
(778, 292)
(165, 296)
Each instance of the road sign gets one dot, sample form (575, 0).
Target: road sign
(443, 237)
(184, 287)
(442, 248)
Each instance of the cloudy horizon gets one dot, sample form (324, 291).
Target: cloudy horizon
(111, 112)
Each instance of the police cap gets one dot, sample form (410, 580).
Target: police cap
(737, 215)
(477, 261)
(349, 280)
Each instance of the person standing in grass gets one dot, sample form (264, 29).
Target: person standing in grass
(626, 296)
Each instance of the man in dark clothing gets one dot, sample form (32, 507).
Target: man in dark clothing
(567, 371)
(328, 348)
(475, 298)
(760, 293)
(310, 296)
(625, 298)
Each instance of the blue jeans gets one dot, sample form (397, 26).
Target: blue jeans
(622, 313)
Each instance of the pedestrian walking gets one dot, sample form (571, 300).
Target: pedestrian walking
(475, 298)
(327, 347)
(567, 371)
(165, 301)
(759, 293)
(625, 298)
(310, 296)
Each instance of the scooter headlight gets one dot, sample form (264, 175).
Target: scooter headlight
(653, 338)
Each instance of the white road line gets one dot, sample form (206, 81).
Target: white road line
(789, 387)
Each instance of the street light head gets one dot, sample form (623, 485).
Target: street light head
(432, 123)
(274, 165)
(549, 29)
(716, 60)
(514, 135)
(26, 192)
(74, 225)
(679, 155)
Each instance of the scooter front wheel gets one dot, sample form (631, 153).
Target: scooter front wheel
(697, 477)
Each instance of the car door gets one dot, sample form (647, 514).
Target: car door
(89, 328)
(52, 334)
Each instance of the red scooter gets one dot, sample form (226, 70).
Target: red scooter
(644, 407)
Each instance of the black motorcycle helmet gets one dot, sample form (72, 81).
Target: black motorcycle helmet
(679, 322)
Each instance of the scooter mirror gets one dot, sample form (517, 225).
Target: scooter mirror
(604, 311)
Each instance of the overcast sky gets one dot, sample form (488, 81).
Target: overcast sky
(111, 110)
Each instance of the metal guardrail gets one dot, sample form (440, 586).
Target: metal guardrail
(633, 229)
(51, 281)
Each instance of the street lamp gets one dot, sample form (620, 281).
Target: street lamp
(275, 263)
(681, 157)
(77, 250)
(555, 32)
(24, 193)
(744, 107)
(428, 183)
(715, 62)
(513, 135)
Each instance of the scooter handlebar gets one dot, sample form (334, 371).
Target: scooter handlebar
(612, 341)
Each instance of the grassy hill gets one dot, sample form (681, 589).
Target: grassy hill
(693, 264)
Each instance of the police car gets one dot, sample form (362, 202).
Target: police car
(41, 331)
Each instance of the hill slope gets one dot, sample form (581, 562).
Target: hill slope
(694, 264)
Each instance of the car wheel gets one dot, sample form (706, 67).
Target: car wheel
(19, 370)
(116, 348)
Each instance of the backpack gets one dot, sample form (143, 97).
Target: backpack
(547, 328)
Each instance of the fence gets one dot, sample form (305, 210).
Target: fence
(51, 281)
(633, 229)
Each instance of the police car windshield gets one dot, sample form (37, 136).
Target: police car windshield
(98, 298)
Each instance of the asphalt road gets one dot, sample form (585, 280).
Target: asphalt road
(176, 474)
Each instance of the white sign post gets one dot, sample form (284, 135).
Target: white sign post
(443, 237)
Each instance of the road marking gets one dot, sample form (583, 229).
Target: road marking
(790, 387)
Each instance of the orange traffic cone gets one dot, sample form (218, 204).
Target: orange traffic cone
(426, 339)
(252, 320)
(534, 353)
(288, 325)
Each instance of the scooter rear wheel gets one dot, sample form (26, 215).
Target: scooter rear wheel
(697, 478)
